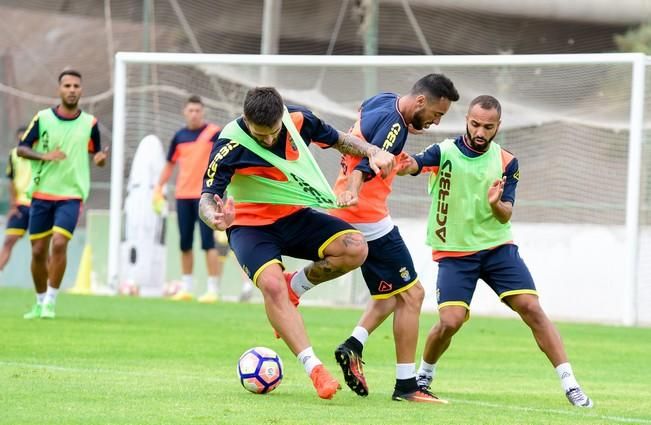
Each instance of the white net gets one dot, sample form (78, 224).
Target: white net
(568, 125)
(41, 37)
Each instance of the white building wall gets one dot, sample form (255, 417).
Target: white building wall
(578, 271)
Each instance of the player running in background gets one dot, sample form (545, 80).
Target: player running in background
(384, 121)
(58, 142)
(19, 171)
(190, 148)
(476, 243)
(271, 176)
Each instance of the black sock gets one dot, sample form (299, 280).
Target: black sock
(406, 385)
(354, 345)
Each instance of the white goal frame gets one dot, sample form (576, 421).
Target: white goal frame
(638, 61)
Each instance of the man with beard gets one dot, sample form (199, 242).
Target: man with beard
(264, 160)
(384, 121)
(58, 142)
(473, 191)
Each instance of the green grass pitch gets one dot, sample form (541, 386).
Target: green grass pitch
(111, 360)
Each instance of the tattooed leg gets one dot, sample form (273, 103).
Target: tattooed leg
(345, 253)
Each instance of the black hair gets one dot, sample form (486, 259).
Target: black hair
(194, 99)
(72, 72)
(263, 106)
(436, 86)
(487, 102)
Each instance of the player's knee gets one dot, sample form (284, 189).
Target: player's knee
(39, 251)
(59, 245)
(530, 311)
(10, 241)
(385, 306)
(417, 294)
(450, 323)
(413, 297)
(273, 288)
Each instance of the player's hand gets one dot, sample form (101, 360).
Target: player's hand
(495, 191)
(347, 198)
(100, 157)
(412, 130)
(406, 164)
(224, 213)
(158, 200)
(381, 162)
(54, 155)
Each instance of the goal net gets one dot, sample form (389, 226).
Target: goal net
(575, 123)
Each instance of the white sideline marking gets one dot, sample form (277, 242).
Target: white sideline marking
(583, 413)
(111, 371)
(557, 411)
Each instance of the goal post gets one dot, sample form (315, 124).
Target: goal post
(335, 88)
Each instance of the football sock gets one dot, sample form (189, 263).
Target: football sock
(40, 298)
(405, 371)
(357, 339)
(212, 284)
(187, 282)
(308, 359)
(360, 334)
(354, 345)
(406, 385)
(50, 295)
(565, 374)
(428, 369)
(300, 284)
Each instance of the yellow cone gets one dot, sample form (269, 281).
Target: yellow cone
(82, 282)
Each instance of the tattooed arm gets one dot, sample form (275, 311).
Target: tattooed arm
(380, 161)
(217, 214)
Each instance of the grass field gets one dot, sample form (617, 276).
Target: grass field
(137, 361)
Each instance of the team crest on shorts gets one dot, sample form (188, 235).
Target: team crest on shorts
(404, 274)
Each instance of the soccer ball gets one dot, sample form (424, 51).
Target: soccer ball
(171, 288)
(260, 370)
(129, 288)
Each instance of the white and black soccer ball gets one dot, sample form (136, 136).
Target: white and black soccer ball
(260, 370)
(129, 288)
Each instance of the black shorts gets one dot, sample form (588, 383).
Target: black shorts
(388, 269)
(304, 234)
(47, 217)
(18, 223)
(501, 268)
(187, 214)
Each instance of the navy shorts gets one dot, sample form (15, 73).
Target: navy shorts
(304, 234)
(187, 213)
(501, 268)
(18, 223)
(47, 217)
(388, 269)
